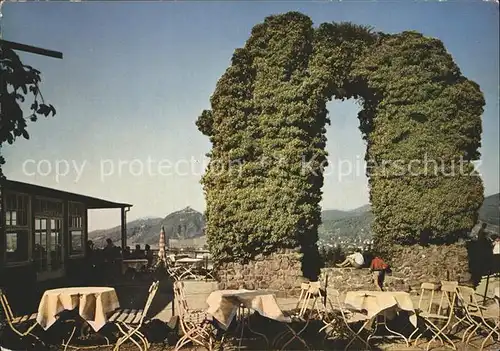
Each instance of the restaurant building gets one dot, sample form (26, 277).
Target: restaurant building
(43, 233)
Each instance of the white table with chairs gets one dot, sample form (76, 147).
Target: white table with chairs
(382, 303)
(225, 305)
(94, 306)
(188, 267)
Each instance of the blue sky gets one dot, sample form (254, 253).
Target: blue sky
(135, 77)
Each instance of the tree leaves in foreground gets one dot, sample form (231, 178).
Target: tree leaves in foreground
(19, 88)
(267, 128)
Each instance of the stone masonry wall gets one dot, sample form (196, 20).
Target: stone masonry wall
(433, 263)
(411, 266)
(280, 271)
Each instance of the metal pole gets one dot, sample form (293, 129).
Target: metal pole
(326, 290)
(486, 287)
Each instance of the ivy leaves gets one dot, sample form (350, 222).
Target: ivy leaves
(270, 104)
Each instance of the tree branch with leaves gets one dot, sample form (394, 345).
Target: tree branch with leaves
(19, 85)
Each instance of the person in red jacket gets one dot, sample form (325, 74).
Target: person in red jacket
(378, 268)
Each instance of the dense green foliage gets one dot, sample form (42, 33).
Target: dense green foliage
(425, 110)
(17, 83)
(267, 128)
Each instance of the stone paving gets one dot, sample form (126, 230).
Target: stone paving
(198, 291)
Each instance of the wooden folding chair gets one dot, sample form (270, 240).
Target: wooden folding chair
(195, 325)
(16, 322)
(425, 303)
(130, 321)
(172, 270)
(443, 315)
(310, 292)
(348, 317)
(479, 316)
(304, 287)
(314, 295)
(461, 316)
(297, 316)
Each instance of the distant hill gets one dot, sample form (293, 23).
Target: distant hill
(184, 224)
(346, 224)
(490, 210)
(185, 227)
(357, 222)
(141, 225)
(333, 215)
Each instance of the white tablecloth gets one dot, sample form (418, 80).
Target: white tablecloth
(94, 305)
(188, 260)
(377, 302)
(223, 305)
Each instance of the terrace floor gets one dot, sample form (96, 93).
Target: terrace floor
(197, 293)
(133, 295)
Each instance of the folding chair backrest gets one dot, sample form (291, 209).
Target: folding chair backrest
(4, 304)
(304, 287)
(312, 294)
(448, 299)
(180, 298)
(467, 297)
(452, 283)
(315, 288)
(427, 293)
(152, 292)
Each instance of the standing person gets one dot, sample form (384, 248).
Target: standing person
(109, 250)
(149, 254)
(108, 254)
(496, 254)
(378, 268)
(484, 251)
(355, 260)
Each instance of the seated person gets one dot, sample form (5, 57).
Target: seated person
(138, 253)
(126, 253)
(355, 260)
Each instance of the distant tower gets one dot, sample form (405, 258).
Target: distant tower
(161, 247)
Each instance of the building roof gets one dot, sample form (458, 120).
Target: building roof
(91, 202)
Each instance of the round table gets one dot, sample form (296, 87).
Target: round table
(94, 305)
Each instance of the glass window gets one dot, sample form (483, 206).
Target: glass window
(16, 210)
(76, 212)
(76, 245)
(17, 246)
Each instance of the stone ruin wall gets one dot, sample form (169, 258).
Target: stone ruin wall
(281, 272)
(411, 266)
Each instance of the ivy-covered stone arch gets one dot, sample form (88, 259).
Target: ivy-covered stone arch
(420, 117)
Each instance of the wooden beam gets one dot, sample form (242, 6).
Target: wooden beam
(123, 228)
(31, 49)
